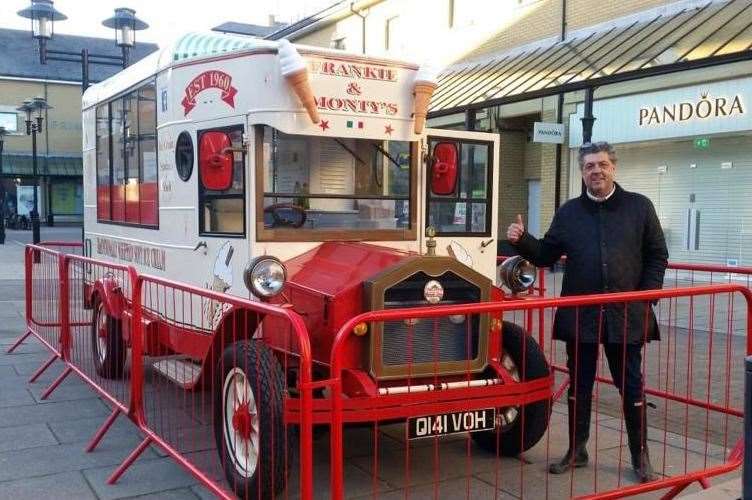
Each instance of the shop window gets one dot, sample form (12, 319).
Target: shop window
(466, 210)
(9, 120)
(127, 184)
(221, 182)
(339, 42)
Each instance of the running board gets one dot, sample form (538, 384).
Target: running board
(182, 371)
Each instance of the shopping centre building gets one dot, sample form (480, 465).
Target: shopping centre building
(670, 85)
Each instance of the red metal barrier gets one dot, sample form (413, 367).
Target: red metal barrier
(66, 247)
(694, 432)
(99, 321)
(42, 289)
(220, 351)
(90, 312)
(190, 348)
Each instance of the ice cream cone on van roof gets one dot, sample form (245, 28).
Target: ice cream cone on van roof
(294, 70)
(425, 84)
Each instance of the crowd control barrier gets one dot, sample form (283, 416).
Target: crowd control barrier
(225, 387)
(207, 377)
(693, 380)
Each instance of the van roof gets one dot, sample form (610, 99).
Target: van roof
(193, 46)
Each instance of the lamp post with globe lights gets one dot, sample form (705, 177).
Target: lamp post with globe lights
(3, 133)
(43, 15)
(34, 110)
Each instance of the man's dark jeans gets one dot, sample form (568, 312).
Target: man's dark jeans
(625, 366)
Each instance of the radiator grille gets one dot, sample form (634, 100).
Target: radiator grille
(432, 339)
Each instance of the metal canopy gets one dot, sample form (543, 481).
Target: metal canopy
(20, 165)
(700, 35)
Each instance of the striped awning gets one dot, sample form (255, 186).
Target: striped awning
(683, 36)
(201, 44)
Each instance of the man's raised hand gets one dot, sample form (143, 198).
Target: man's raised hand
(516, 230)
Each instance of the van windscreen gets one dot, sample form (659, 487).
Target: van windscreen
(335, 183)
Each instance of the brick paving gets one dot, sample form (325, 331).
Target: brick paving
(42, 442)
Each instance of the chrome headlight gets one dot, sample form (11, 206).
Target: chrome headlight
(265, 276)
(517, 274)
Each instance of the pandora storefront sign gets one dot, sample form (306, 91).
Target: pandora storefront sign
(706, 107)
(684, 112)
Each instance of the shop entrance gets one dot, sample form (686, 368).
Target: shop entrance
(701, 195)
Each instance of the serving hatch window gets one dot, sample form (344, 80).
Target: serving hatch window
(316, 187)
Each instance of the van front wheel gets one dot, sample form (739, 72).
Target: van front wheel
(520, 427)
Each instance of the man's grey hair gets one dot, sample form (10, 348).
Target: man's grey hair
(589, 148)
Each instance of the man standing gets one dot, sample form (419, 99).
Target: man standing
(614, 243)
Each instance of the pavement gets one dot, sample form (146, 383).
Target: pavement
(42, 442)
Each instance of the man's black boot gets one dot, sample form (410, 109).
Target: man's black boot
(636, 422)
(579, 432)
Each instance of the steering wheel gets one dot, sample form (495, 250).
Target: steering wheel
(284, 215)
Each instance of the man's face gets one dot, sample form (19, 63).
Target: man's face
(598, 172)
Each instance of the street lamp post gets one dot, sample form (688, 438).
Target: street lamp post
(34, 126)
(43, 16)
(3, 133)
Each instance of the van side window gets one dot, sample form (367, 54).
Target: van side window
(221, 182)
(467, 209)
(126, 135)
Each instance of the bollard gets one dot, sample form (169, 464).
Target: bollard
(747, 467)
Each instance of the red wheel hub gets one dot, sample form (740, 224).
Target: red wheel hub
(241, 421)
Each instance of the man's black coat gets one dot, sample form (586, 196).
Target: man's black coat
(611, 246)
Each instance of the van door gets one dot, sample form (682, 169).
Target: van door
(222, 225)
(461, 196)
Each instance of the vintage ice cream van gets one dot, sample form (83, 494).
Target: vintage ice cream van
(303, 177)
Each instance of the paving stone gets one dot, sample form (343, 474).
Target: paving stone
(81, 430)
(29, 345)
(179, 494)
(471, 488)
(143, 477)
(58, 412)
(46, 460)
(7, 371)
(52, 487)
(71, 389)
(424, 464)
(25, 436)
(25, 369)
(19, 357)
(11, 289)
(15, 395)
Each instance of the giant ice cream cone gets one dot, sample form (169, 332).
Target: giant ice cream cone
(423, 91)
(425, 84)
(302, 87)
(294, 70)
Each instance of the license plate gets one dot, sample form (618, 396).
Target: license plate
(451, 423)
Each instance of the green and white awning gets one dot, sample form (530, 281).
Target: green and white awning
(202, 44)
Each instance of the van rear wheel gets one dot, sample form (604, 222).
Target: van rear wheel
(107, 345)
(519, 349)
